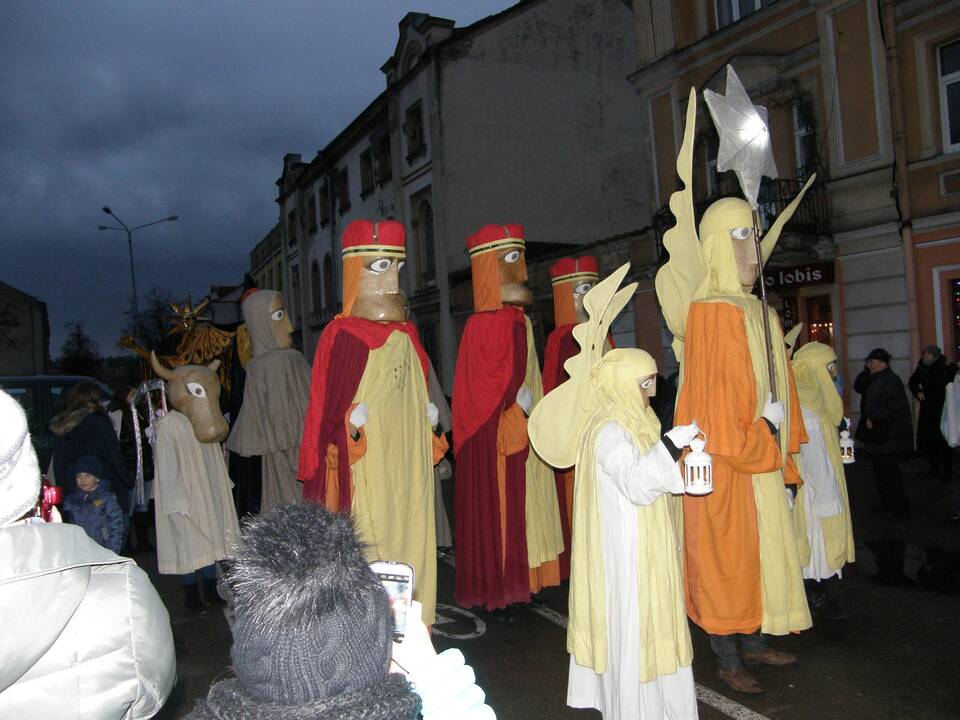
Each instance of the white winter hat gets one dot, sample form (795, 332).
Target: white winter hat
(19, 470)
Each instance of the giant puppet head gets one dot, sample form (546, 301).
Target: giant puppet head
(572, 278)
(194, 390)
(726, 232)
(498, 267)
(373, 253)
(267, 321)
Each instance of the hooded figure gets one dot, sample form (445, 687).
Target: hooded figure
(312, 630)
(508, 533)
(275, 397)
(751, 580)
(368, 442)
(628, 638)
(571, 279)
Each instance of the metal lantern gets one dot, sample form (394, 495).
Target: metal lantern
(846, 447)
(698, 468)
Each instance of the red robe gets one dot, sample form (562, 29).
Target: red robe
(338, 366)
(491, 366)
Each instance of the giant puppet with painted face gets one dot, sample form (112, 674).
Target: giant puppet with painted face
(508, 534)
(751, 581)
(275, 396)
(369, 444)
(196, 518)
(571, 279)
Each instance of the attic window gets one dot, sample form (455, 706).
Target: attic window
(413, 130)
(411, 56)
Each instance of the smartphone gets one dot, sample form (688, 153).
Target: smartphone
(397, 579)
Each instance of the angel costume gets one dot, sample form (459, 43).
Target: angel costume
(628, 638)
(822, 499)
(275, 397)
(742, 562)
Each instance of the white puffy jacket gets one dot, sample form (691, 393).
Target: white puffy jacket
(85, 634)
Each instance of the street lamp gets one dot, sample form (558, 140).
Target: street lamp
(130, 230)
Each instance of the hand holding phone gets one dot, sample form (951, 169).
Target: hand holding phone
(397, 579)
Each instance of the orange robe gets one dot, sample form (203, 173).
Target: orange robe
(722, 546)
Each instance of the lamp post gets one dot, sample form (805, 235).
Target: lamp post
(130, 230)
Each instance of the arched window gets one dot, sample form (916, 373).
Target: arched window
(329, 289)
(425, 236)
(315, 287)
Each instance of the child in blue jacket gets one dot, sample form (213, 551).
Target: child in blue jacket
(94, 507)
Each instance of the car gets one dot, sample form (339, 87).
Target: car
(40, 396)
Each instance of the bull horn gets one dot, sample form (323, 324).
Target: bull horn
(214, 364)
(159, 369)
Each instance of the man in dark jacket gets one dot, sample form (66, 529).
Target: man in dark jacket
(885, 428)
(929, 386)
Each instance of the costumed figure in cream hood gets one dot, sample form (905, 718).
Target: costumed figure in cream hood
(822, 508)
(571, 279)
(628, 637)
(735, 381)
(507, 521)
(195, 516)
(370, 439)
(275, 397)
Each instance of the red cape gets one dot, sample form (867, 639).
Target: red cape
(338, 365)
(491, 366)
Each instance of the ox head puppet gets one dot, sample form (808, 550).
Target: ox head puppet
(194, 390)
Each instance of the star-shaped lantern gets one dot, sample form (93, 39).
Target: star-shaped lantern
(745, 145)
(186, 317)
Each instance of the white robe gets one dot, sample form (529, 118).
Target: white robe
(196, 519)
(626, 479)
(821, 496)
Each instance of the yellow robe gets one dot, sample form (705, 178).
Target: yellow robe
(393, 503)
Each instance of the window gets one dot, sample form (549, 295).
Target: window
(343, 191)
(729, 11)
(295, 294)
(329, 291)
(384, 162)
(804, 139)
(366, 172)
(425, 249)
(948, 60)
(324, 205)
(279, 271)
(711, 146)
(292, 228)
(413, 130)
(315, 288)
(312, 213)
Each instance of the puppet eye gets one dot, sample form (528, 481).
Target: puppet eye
(196, 389)
(512, 256)
(401, 264)
(582, 289)
(741, 233)
(278, 315)
(832, 366)
(381, 265)
(646, 384)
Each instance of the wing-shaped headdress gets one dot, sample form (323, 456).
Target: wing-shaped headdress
(557, 421)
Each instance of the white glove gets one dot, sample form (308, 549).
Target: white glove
(359, 416)
(773, 411)
(681, 435)
(433, 414)
(525, 400)
(789, 499)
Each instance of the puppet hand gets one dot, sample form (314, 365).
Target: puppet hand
(525, 400)
(359, 416)
(774, 412)
(433, 414)
(681, 435)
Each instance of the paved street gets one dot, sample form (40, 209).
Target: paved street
(893, 659)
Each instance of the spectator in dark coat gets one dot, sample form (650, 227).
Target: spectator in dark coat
(93, 507)
(885, 428)
(929, 386)
(83, 428)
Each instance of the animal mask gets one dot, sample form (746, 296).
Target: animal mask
(194, 390)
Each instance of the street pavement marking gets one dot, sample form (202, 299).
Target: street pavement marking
(479, 626)
(730, 708)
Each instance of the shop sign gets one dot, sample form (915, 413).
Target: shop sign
(798, 276)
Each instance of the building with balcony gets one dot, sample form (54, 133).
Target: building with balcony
(865, 94)
(524, 116)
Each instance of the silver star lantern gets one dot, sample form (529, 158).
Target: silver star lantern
(745, 145)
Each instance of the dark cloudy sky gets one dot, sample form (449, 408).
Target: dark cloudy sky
(158, 108)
